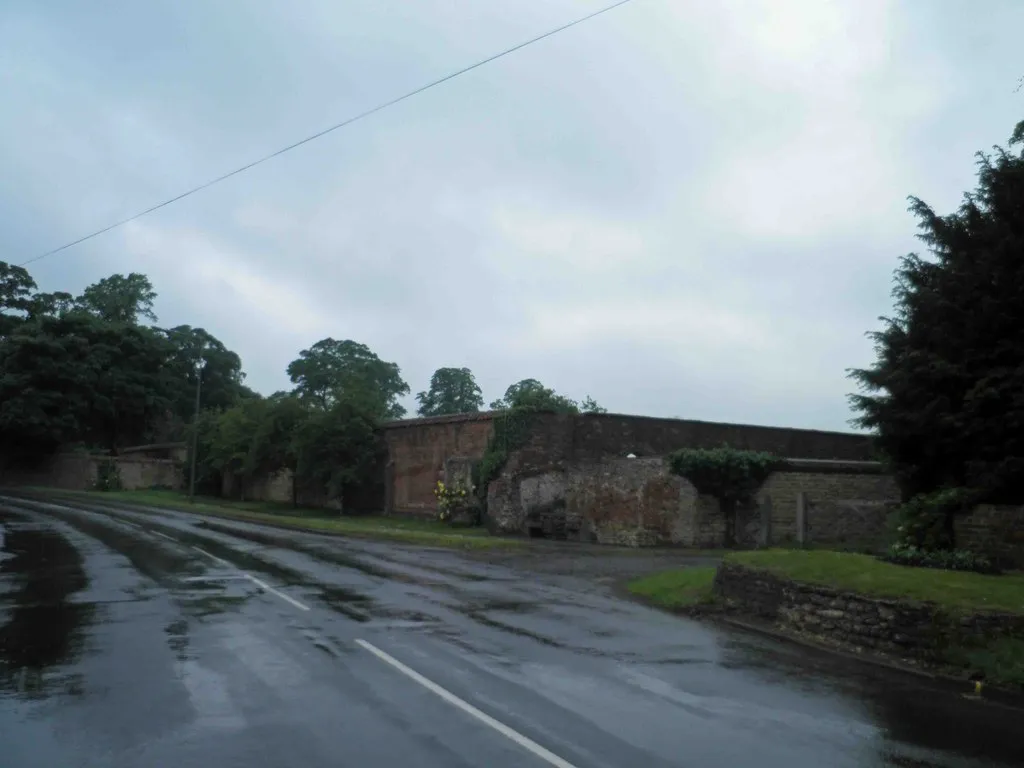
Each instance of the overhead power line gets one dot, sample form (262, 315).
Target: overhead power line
(343, 124)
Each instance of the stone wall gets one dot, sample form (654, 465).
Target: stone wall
(418, 448)
(78, 472)
(142, 473)
(596, 436)
(639, 502)
(843, 505)
(995, 530)
(918, 631)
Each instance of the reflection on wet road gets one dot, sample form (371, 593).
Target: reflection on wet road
(134, 638)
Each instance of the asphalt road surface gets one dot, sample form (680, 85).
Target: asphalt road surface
(134, 639)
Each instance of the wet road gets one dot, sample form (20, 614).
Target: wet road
(131, 638)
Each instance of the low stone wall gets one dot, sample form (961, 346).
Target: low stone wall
(78, 472)
(995, 530)
(917, 631)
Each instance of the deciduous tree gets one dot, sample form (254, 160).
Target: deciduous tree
(120, 298)
(331, 371)
(452, 390)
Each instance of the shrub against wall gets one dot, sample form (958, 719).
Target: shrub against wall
(732, 476)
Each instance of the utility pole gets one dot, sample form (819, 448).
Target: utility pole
(195, 432)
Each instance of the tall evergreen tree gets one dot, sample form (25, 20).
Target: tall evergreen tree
(946, 392)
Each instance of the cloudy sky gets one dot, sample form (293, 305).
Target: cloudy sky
(684, 209)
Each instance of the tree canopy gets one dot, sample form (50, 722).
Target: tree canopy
(331, 371)
(222, 374)
(120, 298)
(946, 392)
(78, 379)
(530, 394)
(452, 390)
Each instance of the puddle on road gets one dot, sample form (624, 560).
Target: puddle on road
(147, 557)
(44, 630)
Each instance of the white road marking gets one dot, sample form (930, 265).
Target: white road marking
(229, 577)
(262, 584)
(276, 592)
(549, 757)
(213, 557)
(165, 536)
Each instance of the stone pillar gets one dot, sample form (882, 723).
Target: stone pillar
(765, 537)
(801, 517)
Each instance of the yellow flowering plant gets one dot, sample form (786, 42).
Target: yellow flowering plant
(451, 499)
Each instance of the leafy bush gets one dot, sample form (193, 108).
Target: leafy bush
(926, 521)
(945, 559)
(731, 475)
(108, 476)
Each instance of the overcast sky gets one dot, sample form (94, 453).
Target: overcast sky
(684, 209)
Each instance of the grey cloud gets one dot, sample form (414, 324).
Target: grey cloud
(687, 210)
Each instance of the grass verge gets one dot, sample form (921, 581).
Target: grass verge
(676, 589)
(424, 532)
(957, 590)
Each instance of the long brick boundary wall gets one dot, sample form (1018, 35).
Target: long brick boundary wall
(910, 630)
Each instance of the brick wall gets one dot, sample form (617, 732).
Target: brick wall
(995, 530)
(417, 451)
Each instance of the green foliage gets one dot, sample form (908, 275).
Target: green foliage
(530, 394)
(271, 448)
(731, 475)
(950, 560)
(16, 287)
(511, 428)
(677, 589)
(590, 405)
(108, 476)
(331, 371)
(120, 298)
(336, 447)
(944, 394)
(231, 436)
(222, 385)
(452, 390)
(78, 378)
(925, 522)
(512, 424)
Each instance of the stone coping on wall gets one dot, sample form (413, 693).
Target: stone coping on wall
(916, 631)
(838, 466)
(489, 415)
(455, 418)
